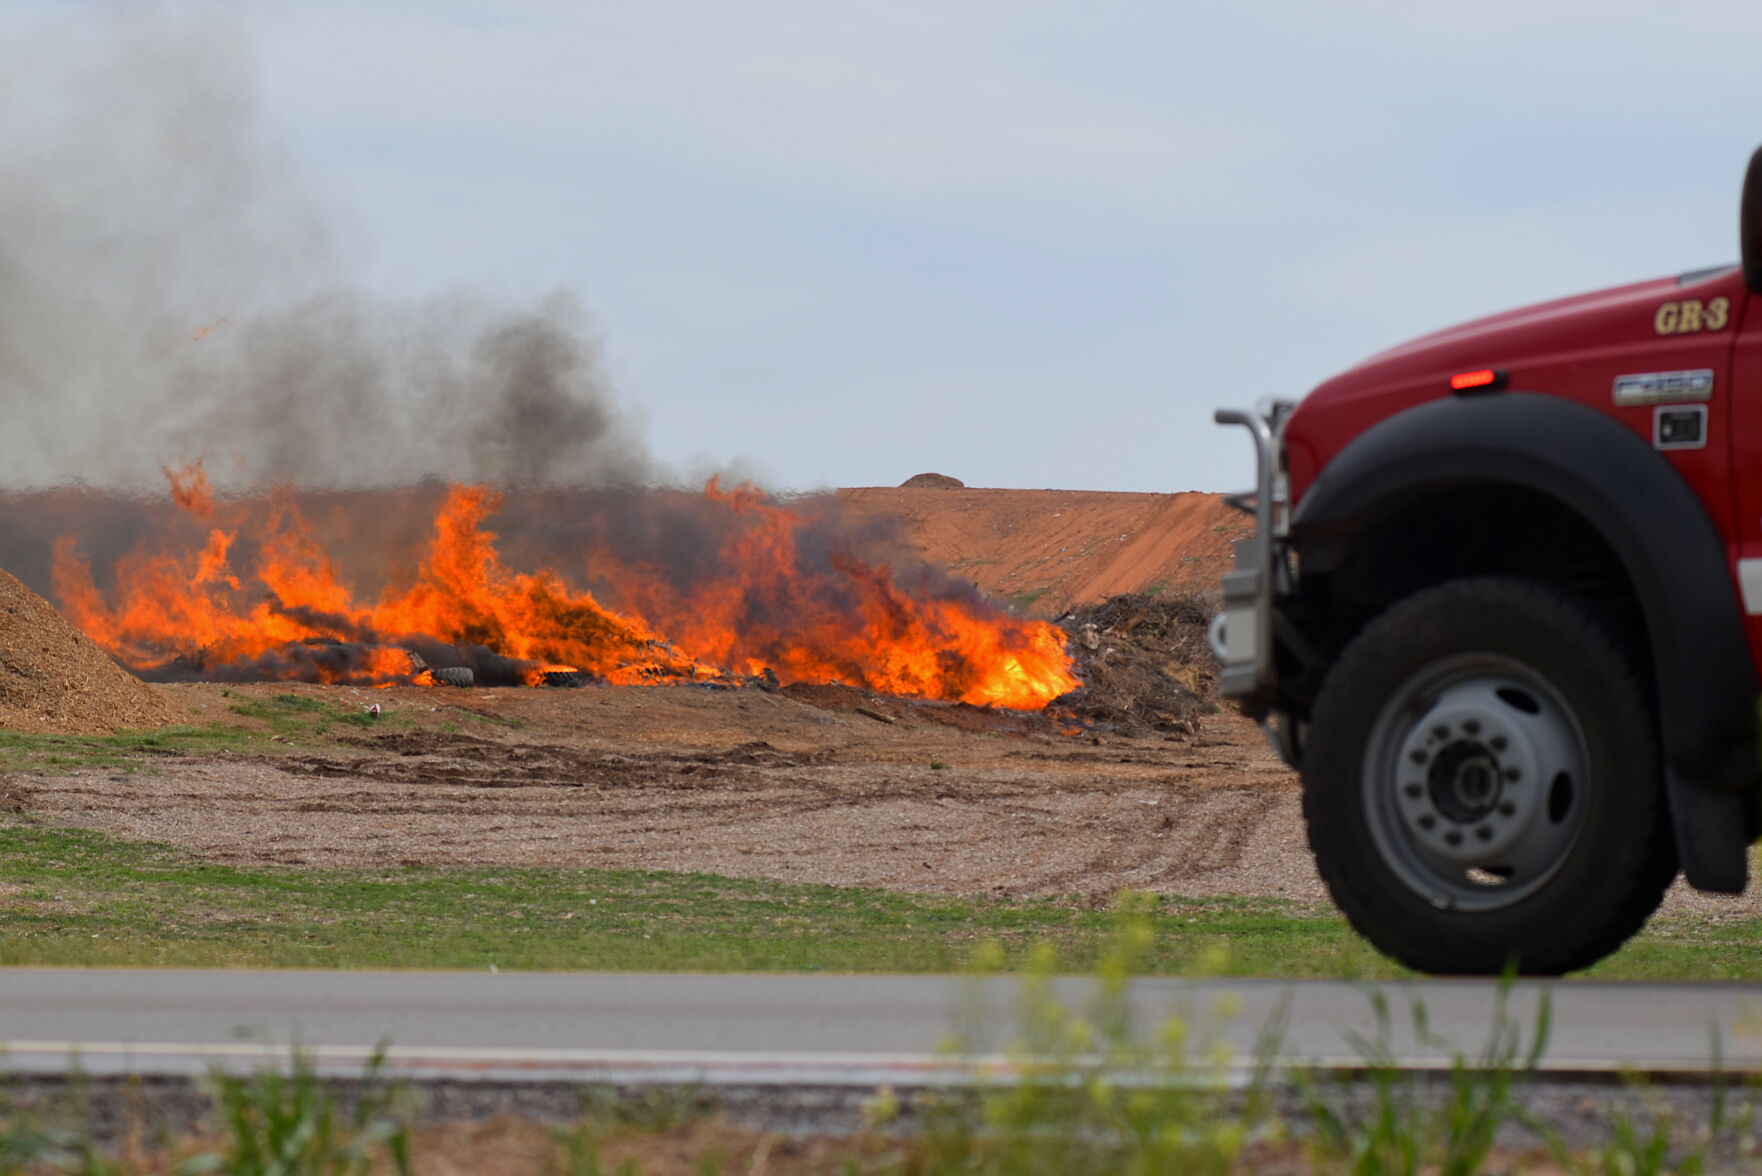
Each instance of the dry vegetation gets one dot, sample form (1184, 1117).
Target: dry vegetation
(1145, 663)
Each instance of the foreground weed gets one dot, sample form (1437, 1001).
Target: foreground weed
(289, 1124)
(1089, 1092)
(1653, 1145)
(1634, 1148)
(1633, 1151)
(578, 1154)
(28, 1148)
(654, 1112)
(1412, 1127)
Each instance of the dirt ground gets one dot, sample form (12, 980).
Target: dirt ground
(856, 790)
(936, 798)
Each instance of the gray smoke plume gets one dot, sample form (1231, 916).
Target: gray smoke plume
(169, 290)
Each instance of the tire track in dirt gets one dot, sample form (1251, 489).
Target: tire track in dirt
(848, 801)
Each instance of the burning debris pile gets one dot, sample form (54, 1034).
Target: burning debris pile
(720, 588)
(222, 317)
(1145, 662)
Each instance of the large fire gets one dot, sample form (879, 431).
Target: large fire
(261, 598)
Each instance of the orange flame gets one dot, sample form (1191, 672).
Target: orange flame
(190, 488)
(852, 624)
(274, 607)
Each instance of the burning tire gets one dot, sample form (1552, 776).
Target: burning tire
(562, 678)
(1482, 783)
(455, 676)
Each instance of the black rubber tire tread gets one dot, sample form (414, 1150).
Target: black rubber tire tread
(1624, 859)
(455, 676)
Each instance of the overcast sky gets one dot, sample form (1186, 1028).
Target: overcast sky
(1026, 244)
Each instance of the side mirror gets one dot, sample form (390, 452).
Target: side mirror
(1750, 224)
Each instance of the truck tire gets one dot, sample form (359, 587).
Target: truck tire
(1482, 783)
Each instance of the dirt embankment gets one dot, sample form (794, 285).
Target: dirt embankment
(1046, 551)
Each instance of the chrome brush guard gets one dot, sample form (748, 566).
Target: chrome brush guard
(1242, 634)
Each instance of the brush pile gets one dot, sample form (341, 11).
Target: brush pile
(1145, 662)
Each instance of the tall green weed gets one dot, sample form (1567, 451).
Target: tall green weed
(276, 1123)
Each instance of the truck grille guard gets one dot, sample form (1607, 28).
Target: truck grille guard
(1242, 634)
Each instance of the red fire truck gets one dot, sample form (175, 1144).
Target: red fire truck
(1503, 611)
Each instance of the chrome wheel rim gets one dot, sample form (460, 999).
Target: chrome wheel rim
(1474, 782)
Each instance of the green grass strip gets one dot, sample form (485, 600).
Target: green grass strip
(70, 897)
(285, 719)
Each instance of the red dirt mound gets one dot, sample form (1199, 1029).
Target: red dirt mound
(1047, 551)
(54, 678)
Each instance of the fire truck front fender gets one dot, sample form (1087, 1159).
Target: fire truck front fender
(1612, 479)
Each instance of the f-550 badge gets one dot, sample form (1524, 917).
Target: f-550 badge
(1664, 387)
(1692, 315)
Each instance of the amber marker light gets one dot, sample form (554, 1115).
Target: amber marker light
(1491, 379)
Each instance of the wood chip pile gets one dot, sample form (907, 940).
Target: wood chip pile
(53, 678)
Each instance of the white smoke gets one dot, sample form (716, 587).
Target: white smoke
(169, 290)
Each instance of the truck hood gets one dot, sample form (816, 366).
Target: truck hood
(1513, 334)
(1533, 344)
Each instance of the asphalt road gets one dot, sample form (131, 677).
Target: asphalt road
(747, 1029)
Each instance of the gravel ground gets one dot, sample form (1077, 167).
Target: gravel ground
(497, 1128)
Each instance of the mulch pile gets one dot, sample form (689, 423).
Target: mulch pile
(932, 482)
(53, 678)
(1145, 662)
